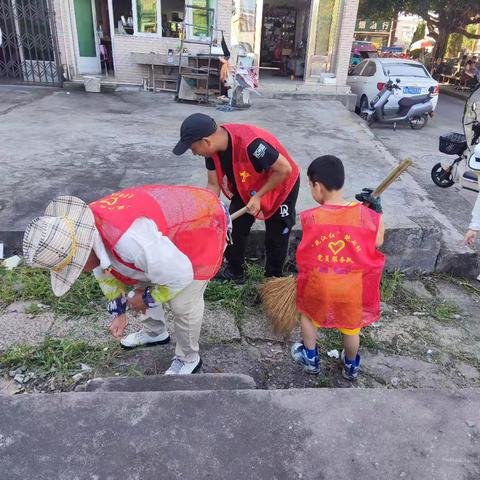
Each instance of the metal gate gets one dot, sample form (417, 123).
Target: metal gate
(28, 43)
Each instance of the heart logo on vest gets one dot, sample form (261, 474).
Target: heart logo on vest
(336, 247)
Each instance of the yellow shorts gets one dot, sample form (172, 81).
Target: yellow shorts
(346, 331)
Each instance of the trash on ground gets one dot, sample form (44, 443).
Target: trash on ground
(12, 262)
(333, 354)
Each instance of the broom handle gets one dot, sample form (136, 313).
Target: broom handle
(392, 176)
(238, 213)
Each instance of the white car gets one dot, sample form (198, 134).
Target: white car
(369, 77)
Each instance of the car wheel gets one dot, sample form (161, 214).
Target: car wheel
(441, 177)
(364, 106)
(417, 123)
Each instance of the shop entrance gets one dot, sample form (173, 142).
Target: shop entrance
(285, 29)
(93, 38)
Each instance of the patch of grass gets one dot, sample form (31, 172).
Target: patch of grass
(33, 309)
(236, 298)
(324, 382)
(467, 286)
(58, 358)
(25, 283)
(367, 339)
(391, 282)
(331, 339)
(445, 311)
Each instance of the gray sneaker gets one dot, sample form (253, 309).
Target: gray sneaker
(179, 367)
(143, 339)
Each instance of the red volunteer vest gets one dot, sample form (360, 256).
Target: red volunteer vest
(339, 267)
(193, 219)
(248, 180)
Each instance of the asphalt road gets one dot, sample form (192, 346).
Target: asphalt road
(422, 147)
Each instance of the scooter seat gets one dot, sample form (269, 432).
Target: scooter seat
(409, 101)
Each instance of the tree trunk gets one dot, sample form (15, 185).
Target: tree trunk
(393, 31)
(442, 42)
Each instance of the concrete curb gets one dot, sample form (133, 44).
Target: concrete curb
(169, 383)
(454, 93)
(247, 434)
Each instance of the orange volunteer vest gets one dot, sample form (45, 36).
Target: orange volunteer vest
(192, 218)
(248, 180)
(339, 267)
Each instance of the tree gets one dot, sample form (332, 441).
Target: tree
(454, 45)
(419, 32)
(443, 17)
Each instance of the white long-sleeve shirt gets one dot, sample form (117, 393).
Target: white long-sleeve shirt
(161, 263)
(475, 223)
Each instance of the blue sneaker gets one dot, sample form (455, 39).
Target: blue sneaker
(350, 369)
(310, 365)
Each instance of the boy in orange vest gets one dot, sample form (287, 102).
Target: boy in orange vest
(339, 266)
(252, 168)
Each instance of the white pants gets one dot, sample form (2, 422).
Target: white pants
(187, 308)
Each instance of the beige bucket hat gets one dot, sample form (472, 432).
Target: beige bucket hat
(61, 241)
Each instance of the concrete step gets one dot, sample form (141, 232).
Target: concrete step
(169, 383)
(248, 434)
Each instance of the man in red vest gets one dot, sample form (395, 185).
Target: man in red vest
(165, 242)
(252, 168)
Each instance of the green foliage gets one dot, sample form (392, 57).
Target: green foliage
(454, 47)
(419, 32)
(33, 284)
(445, 311)
(443, 17)
(57, 358)
(390, 285)
(378, 10)
(469, 43)
(234, 297)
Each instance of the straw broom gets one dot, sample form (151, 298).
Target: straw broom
(279, 295)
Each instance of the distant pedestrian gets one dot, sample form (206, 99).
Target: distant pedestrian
(339, 266)
(253, 169)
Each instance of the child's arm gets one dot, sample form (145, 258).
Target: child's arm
(380, 233)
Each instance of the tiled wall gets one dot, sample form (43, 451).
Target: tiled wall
(345, 40)
(64, 33)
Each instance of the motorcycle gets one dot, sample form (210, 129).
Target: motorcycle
(415, 110)
(445, 176)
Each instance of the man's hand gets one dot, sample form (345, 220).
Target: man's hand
(117, 327)
(470, 238)
(136, 301)
(254, 205)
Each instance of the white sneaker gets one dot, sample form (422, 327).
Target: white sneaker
(142, 338)
(179, 367)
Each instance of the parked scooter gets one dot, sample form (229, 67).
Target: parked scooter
(445, 176)
(414, 110)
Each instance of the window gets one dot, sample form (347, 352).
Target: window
(370, 70)
(162, 17)
(358, 69)
(123, 17)
(405, 70)
(147, 16)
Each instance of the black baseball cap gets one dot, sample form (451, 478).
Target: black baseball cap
(194, 128)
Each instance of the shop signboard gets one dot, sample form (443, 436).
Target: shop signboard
(373, 26)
